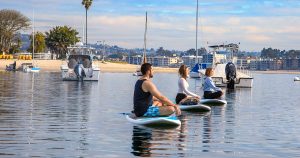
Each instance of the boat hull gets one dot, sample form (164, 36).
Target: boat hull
(195, 75)
(242, 80)
(138, 73)
(69, 75)
(239, 83)
(35, 69)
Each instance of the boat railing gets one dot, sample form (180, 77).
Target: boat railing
(244, 71)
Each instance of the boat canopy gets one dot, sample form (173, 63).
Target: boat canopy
(228, 46)
(199, 66)
(83, 50)
(85, 60)
(196, 68)
(79, 57)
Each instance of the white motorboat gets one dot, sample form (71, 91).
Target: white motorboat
(137, 73)
(28, 67)
(195, 74)
(243, 78)
(79, 65)
(297, 78)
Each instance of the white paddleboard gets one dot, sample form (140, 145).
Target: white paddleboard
(154, 121)
(213, 101)
(197, 107)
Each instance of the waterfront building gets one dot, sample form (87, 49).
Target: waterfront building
(291, 64)
(191, 60)
(266, 64)
(160, 61)
(243, 63)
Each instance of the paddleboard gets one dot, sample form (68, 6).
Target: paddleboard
(154, 121)
(197, 107)
(213, 101)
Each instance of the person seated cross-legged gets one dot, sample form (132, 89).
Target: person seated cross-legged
(183, 99)
(148, 101)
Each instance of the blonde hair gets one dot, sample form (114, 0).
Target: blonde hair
(208, 72)
(182, 71)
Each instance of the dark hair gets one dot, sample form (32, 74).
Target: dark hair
(145, 67)
(182, 71)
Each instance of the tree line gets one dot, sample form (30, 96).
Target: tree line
(279, 54)
(57, 39)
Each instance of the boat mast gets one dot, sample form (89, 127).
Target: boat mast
(197, 33)
(145, 44)
(33, 37)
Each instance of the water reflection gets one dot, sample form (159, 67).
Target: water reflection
(207, 133)
(42, 116)
(38, 112)
(158, 141)
(141, 137)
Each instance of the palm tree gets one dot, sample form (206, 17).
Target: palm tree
(86, 4)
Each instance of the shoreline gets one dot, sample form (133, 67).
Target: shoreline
(277, 72)
(54, 66)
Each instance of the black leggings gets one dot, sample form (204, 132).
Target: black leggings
(212, 95)
(179, 97)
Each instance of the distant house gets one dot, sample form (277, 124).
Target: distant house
(160, 61)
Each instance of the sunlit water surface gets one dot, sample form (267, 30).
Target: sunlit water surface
(43, 116)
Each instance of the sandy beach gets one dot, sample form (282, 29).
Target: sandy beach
(54, 66)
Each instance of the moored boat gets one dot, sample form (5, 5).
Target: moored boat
(79, 65)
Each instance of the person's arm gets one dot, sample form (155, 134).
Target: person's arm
(155, 99)
(184, 84)
(150, 87)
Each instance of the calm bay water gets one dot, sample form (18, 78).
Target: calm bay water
(42, 116)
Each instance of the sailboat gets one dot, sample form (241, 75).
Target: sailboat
(31, 67)
(144, 59)
(195, 70)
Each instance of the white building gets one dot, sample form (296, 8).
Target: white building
(191, 60)
(243, 63)
(160, 61)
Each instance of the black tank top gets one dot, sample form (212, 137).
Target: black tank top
(141, 100)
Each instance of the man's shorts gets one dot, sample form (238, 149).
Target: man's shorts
(152, 111)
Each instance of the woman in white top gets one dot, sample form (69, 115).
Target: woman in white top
(184, 96)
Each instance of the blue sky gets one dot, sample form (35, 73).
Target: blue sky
(171, 23)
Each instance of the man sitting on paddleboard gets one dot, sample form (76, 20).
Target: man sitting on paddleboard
(148, 101)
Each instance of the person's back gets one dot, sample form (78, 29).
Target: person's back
(141, 100)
